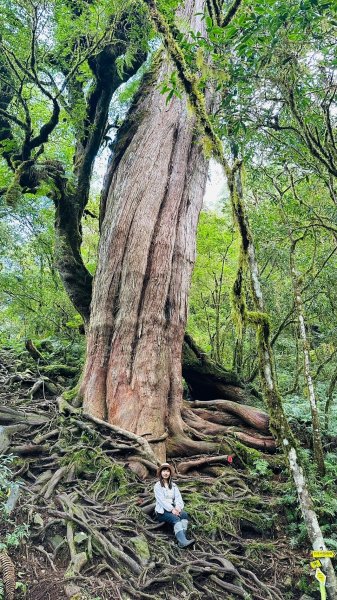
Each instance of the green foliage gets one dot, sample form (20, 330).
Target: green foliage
(171, 86)
(324, 497)
(261, 467)
(32, 298)
(213, 276)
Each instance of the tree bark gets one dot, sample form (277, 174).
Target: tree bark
(72, 198)
(132, 375)
(316, 426)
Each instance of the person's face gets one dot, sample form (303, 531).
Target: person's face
(166, 474)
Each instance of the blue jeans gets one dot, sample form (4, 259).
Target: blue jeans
(168, 517)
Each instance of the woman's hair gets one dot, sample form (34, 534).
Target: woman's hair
(162, 480)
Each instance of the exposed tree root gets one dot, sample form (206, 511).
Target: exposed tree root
(91, 518)
(184, 467)
(260, 442)
(146, 450)
(247, 414)
(181, 445)
(9, 415)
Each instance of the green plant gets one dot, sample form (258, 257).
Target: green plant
(22, 587)
(261, 467)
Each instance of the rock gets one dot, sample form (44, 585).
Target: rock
(141, 547)
(71, 590)
(4, 440)
(56, 541)
(80, 537)
(37, 520)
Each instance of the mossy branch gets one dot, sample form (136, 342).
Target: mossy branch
(190, 82)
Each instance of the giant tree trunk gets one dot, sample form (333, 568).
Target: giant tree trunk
(132, 375)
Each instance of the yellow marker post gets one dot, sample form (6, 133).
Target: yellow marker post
(323, 553)
(315, 564)
(321, 578)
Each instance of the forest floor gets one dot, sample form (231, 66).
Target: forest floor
(80, 525)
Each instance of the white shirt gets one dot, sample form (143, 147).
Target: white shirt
(166, 498)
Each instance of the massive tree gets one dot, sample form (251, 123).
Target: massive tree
(249, 266)
(150, 205)
(149, 213)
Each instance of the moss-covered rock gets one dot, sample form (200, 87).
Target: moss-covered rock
(141, 547)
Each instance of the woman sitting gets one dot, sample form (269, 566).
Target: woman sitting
(169, 505)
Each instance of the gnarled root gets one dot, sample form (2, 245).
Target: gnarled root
(202, 425)
(205, 461)
(181, 445)
(263, 443)
(249, 415)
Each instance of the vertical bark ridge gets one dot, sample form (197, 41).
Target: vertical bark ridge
(146, 279)
(128, 130)
(195, 182)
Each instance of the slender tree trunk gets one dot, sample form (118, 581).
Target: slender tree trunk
(218, 301)
(316, 427)
(278, 420)
(68, 258)
(132, 375)
(329, 394)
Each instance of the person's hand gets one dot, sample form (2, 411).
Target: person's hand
(176, 512)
